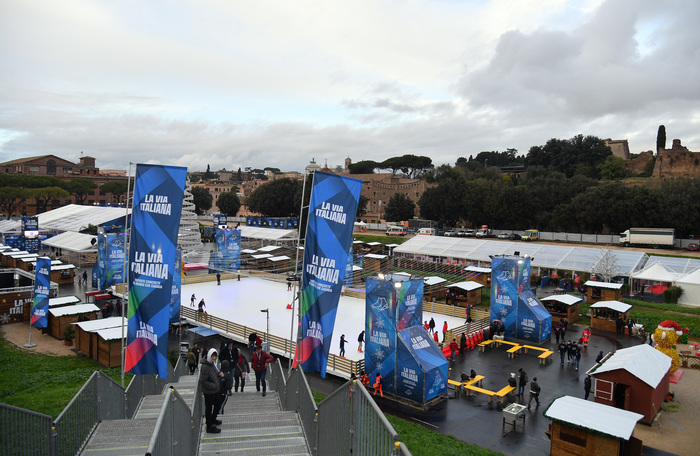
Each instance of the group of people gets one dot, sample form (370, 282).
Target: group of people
(222, 372)
(620, 325)
(430, 327)
(571, 350)
(560, 329)
(82, 278)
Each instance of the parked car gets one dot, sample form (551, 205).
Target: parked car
(693, 246)
(469, 232)
(514, 237)
(503, 236)
(452, 232)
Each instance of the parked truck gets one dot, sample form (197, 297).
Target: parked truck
(653, 237)
(483, 232)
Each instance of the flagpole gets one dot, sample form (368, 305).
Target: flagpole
(125, 270)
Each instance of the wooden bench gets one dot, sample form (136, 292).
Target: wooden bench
(89, 294)
(478, 380)
(499, 342)
(532, 347)
(456, 385)
(512, 351)
(503, 391)
(544, 356)
(482, 346)
(490, 394)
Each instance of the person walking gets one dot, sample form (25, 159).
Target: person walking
(251, 342)
(260, 359)
(342, 346)
(432, 325)
(241, 369)
(426, 326)
(85, 278)
(226, 385)
(577, 355)
(556, 333)
(218, 278)
(360, 341)
(619, 324)
(586, 335)
(599, 358)
(587, 386)
(522, 382)
(453, 349)
(444, 332)
(569, 351)
(192, 300)
(468, 313)
(196, 351)
(562, 350)
(463, 344)
(191, 360)
(378, 385)
(209, 384)
(534, 392)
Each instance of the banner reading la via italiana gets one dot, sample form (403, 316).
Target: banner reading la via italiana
(158, 192)
(42, 282)
(332, 212)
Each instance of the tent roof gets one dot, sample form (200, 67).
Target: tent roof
(279, 258)
(262, 256)
(656, 272)
(423, 348)
(466, 286)
(269, 248)
(567, 299)
(594, 283)
(376, 256)
(433, 280)
(202, 331)
(478, 269)
(273, 234)
(674, 264)
(566, 257)
(692, 278)
(9, 225)
(372, 244)
(644, 362)
(74, 217)
(74, 310)
(72, 241)
(614, 305)
(593, 416)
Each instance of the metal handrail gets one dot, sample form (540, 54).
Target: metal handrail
(172, 435)
(25, 432)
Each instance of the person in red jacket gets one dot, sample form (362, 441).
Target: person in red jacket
(435, 336)
(378, 385)
(259, 361)
(444, 332)
(453, 349)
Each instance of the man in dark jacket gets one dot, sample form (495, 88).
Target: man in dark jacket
(534, 392)
(259, 360)
(522, 382)
(587, 386)
(210, 386)
(562, 350)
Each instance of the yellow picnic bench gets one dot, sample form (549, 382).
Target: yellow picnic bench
(513, 350)
(544, 356)
(482, 346)
(500, 394)
(459, 385)
(546, 353)
(499, 342)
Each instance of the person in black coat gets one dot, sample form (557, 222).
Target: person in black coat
(210, 386)
(241, 369)
(587, 386)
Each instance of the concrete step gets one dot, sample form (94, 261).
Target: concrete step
(120, 438)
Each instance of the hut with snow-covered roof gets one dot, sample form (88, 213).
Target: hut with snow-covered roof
(634, 379)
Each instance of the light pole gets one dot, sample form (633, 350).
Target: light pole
(267, 336)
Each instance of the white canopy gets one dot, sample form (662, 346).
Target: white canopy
(269, 248)
(373, 244)
(433, 280)
(262, 255)
(478, 269)
(614, 305)
(567, 299)
(593, 416)
(75, 242)
(102, 323)
(376, 256)
(691, 289)
(279, 258)
(657, 272)
(644, 362)
(254, 232)
(467, 286)
(609, 285)
(75, 217)
(391, 246)
(74, 310)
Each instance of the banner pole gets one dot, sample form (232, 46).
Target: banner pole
(29, 343)
(125, 282)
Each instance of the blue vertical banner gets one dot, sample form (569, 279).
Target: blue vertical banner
(233, 250)
(176, 294)
(30, 234)
(158, 192)
(380, 331)
(349, 273)
(114, 261)
(410, 303)
(510, 276)
(98, 270)
(332, 212)
(42, 286)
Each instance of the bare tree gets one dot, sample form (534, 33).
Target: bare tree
(606, 266)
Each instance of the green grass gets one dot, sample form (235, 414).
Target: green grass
(45, 384)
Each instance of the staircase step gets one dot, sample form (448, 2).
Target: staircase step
(150, 407)
(120, 438)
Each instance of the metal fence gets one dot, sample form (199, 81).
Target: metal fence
(174, 432)
(100, 398)
(24, 432)
(347, 422)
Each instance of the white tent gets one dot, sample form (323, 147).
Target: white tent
(466, 286)
(691, 289)
(75, 242)
(657, 272)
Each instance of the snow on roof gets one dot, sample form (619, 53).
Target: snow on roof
(112, 333)
(62, 267)
(262, 255)
(357, 242)
(433, 280)
(374, 243)
(375, 256)
(254, 232)
(269, 248)
(467, 286)
(644, 362)
(63, 300)
(75, 217)
(478, 269)
(612, 286)
(102, 323)
(74, 310)
(593, 416)
(391, 246)
(248, 251)
(15, 253)
(567, 299)
(356, 268)
(614, 305)
(279, 258)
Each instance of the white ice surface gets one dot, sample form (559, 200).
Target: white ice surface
(241, 302)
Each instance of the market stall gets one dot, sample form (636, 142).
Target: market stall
(464, 293)
(604, 314)
(562, 306)
(602, 291)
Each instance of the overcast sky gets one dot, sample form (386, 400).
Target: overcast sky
(275, 83)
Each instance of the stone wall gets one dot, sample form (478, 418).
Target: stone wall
(677, 162)
(637, 165)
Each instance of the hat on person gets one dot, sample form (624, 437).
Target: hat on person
(512, 374)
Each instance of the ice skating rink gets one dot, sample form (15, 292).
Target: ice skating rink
(241, 302)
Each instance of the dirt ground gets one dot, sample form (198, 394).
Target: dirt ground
(673, 432)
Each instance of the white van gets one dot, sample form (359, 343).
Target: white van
(427, 231)
(397, 231)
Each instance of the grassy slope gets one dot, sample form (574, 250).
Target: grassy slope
(44, 384)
